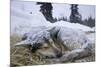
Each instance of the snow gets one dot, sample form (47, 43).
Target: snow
(72, 25)
(22, 21)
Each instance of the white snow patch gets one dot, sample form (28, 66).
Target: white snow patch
(22, 21)
(72, 25)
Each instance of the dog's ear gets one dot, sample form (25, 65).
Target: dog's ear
(51, 29)
(25, 36)
(24, 42)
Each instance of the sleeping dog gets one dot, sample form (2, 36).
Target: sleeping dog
(52, 42)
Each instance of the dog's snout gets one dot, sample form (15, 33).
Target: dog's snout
(58, 54)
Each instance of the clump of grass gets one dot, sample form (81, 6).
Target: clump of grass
(14, 38)
(21, 55)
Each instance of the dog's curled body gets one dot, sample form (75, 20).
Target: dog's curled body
(72, 39)
(76, 41)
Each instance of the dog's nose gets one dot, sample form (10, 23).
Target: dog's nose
(59, 54)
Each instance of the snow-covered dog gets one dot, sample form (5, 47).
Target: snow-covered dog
(75, 41)
(41, 41)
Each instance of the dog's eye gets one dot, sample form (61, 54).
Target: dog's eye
(45, 45)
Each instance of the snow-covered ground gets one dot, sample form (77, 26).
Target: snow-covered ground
(22, 21)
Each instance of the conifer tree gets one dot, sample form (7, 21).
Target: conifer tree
(46, 10)
(75, 17)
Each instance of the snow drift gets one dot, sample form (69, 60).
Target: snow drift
(22, 21)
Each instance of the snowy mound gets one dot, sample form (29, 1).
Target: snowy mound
(72, 25)
(22, 20)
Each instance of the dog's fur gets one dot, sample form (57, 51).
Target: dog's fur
(75, 41)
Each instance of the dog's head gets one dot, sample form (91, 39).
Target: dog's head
(44, 48)
(47, 50)
(43, 43)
